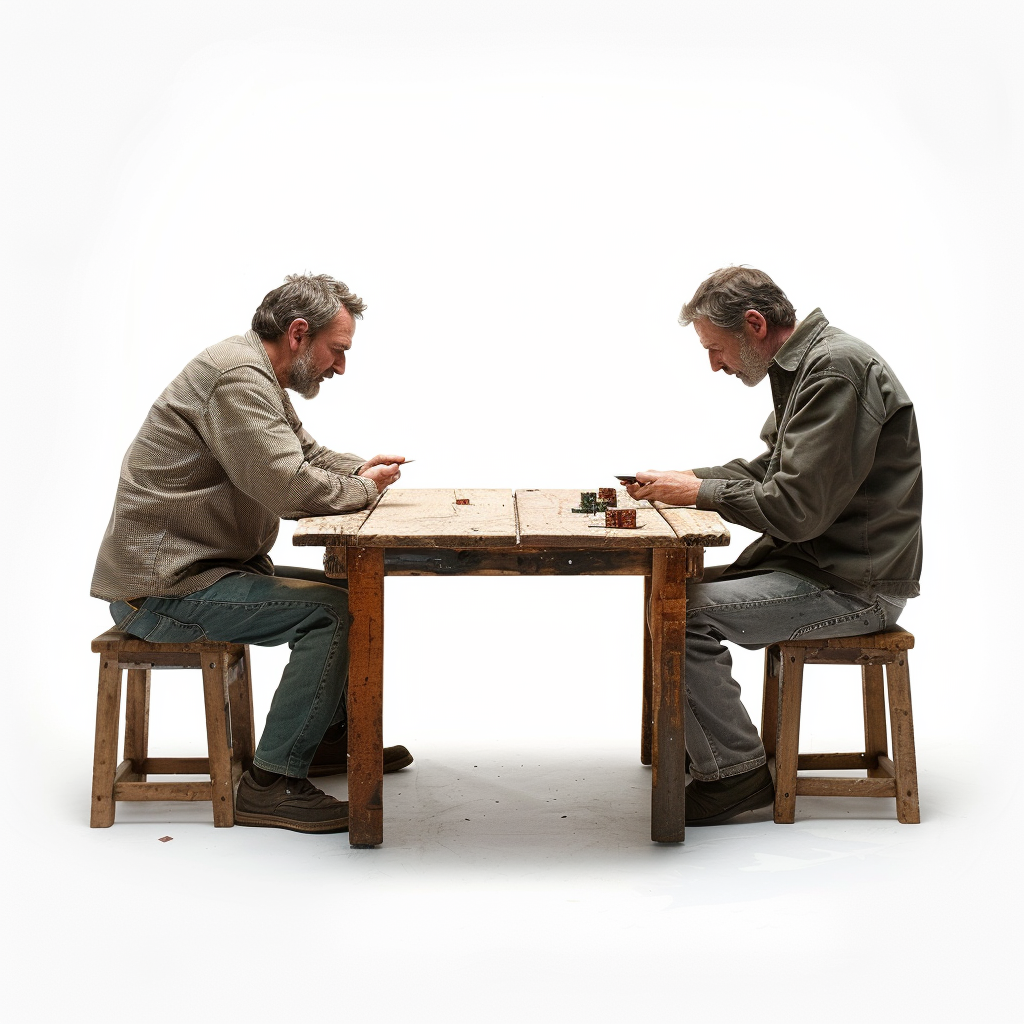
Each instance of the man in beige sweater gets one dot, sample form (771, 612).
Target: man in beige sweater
(219, 461)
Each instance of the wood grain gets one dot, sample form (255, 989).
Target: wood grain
(136, 719)
(695, 526)
(165, 791)
(336, 561)
(901, 719)
(647, 691)
(888, 640)
(218, 739)
(546, 519)
(814, 786)
(668, 741)
(316, 531)
(791, 683)
(770, 701)
(243, 726)
(875, 739)
(517, 561)
(429, 517)
(115, 640)
(104, 763)
(366, 696)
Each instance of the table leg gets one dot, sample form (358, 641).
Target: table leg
(668, 654)
(646, 738)
(366, 697)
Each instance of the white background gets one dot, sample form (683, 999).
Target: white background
(524, 193)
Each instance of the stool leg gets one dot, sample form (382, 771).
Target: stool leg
(788, 749)
(770, 701)
(243, 729)
(104, 762)
(136, 720)
(218, 741)
(901, 716)
(875, 742)
(646, 724)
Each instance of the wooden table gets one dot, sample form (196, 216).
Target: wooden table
(528, 533)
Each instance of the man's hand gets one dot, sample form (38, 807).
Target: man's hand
(672, 486)
(383, 470)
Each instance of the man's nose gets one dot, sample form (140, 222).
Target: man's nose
(716, 363)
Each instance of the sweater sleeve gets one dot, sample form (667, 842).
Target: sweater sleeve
(248, 432)
(344, 463)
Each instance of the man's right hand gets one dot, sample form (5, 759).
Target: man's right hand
(673, 487)
(383, 470)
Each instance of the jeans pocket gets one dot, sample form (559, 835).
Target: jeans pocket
(868, 619)
(162, 629)
(123, 615)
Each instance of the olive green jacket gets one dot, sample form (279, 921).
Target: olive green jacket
(837, 494)
(219, 461)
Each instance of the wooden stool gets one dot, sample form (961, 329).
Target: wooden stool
(229, 725)
(895, 776)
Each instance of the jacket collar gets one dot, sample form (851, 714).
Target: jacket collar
(807, 332)
(255, 342)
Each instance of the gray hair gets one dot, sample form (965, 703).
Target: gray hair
(727, 294)
(315, 298)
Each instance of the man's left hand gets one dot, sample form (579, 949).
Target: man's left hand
(671, 486)
(383, 470)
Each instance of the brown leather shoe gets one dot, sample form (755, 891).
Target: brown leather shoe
(331, 757)
(295, 804)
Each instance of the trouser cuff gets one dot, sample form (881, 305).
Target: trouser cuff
(725, 773)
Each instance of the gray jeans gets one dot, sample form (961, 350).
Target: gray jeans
(754, 611)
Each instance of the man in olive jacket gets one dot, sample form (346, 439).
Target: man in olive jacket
(836, 496)
(219, 461)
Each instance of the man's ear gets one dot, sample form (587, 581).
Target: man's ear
(297, 333)
(757, 323)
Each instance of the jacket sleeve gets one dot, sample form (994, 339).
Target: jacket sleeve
(737, 469)
(343, 463)
(825, 455)
(247, 430)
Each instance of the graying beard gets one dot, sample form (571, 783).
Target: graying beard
(303, 378)
(755, 366)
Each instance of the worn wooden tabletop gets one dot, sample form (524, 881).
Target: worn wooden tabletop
(432, 517)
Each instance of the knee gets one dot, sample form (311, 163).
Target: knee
(334, 603)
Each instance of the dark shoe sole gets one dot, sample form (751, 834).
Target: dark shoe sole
(762, 798)
(272, 821)
(319, 770)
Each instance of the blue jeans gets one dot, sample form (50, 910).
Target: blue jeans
(753, 610)
(299, 607)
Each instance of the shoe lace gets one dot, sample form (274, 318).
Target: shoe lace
(303, 788)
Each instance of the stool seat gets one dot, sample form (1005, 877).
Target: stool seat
(886, 776)
(230, 729)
